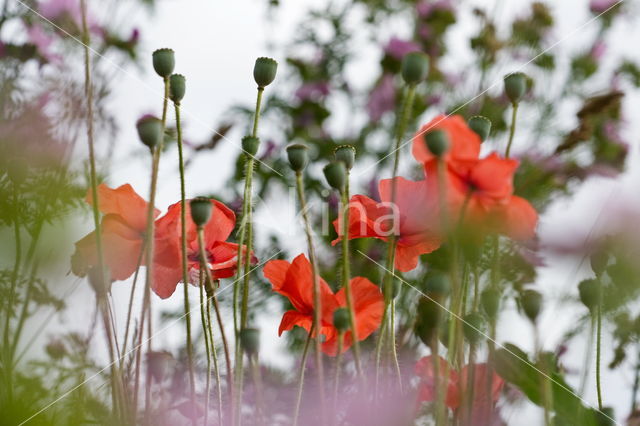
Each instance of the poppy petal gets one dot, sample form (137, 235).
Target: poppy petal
(125, 202)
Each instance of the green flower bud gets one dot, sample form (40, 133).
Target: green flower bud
(428, 317)
(531, 303)
(150, 131)
(298, 156)
(264, 71)
(200, 211)
(250, 340)
(437, 142)
(473, 327)
(515, 86)
(346, 154)
(341, 319)
(415, 67)
(490, 300)
(164, 62)
(599, 261)
(250, 145)
(56, 349)
(336, 175)
(437, 285)
(177, 88)
(481, 125)
(589, 293)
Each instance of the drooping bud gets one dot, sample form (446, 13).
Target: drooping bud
(341, 319)
(264, 71)
(589, 293)
(437, 142)
(473, 327)
(164, 62)
(250, 145)
(515, 86)
(531, 303)
(336, 175)
(415, 67)
(298, 156)
(346, 154)
(177, 88)
(250, 340)
(437, 285)
(150, 131)
(481, 125)
(200, 211)
(490, 300)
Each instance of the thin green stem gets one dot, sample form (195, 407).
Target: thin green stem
(336, 377)
(435, 358)
(588, 353)
(183, 250)
(206, 346)
(256, 116)
(303, 365)
(317, 303)
(512, 130)
(598, 350)
(257, 383)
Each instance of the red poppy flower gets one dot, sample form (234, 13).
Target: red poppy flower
(482, 404)
(295, 281)
(464, 142)
(222, 255)
(123, 227)
(417, 211)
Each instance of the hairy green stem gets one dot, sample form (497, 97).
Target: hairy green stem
(512, 129)
(598, 350)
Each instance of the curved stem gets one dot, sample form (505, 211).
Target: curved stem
(598, 350)
(512, 130)
(303, 365)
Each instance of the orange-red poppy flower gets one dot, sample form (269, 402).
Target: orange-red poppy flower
(123, 227)
(416, 211)
(456, 386)
(295, 281)
(221, 255)
(464, 143)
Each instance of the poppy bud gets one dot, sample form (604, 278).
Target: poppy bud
(437, 142)
(437, 285)
(250, 145)
(341, 319)
(515, 86)
(531, 303)
(264, 71)
(298, 157)
(200, 211)
(56, 349)
(415, 67)
(150, 131)
(336, 175)
(346, 154)
(177, 88)
(473, 327)
(599, 261)
(428, 314)
(159, 363)
(250, 340)
(481, 125)
(490, 300)
(164, 62)
(96, 280)
(589, 293)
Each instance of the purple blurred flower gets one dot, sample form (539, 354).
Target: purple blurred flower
(43, 41)
(598, 50)
(427, 7)
(310, 91)
(599, 6)
(382, 98)
(397, 48)
(59, 9)
(269, 150)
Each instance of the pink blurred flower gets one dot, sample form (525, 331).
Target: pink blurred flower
(314, 90)
(427, 7)
(60, 9)
(43, 41)
(382, 98)
(598, 50)
(397, 48)
(599, 6)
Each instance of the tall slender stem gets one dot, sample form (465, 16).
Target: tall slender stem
(336, 377)
(303, 363)
(317, 302)
(205, 329)
(598, 350)
(512, 130)
(435, 357)
(183, 249)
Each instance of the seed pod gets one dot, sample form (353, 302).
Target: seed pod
(473, 327)
(490, 300)
(437, 142)
(531, 303)
(481, 125)
(437, 285)
(415, 67)
(250, 145)
(341, 319)
(336, 175)
(346, 154)
(177, 88)
(200, 211)
(298, 156)
(164, 62)
(589, 293)
(150, 131)
(250, 340)
(264, 71)
(515, 86)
